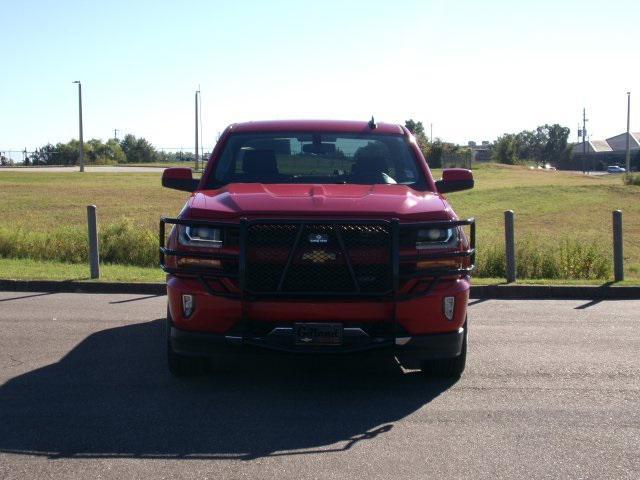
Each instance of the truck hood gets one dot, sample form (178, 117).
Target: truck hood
(266, 200)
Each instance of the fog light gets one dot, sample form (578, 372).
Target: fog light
(188, 305)
(448, 305)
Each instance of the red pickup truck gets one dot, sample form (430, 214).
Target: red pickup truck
(318, 237)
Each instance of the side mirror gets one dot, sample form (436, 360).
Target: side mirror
(179, 178)
(454, 180)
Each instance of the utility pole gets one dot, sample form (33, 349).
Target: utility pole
(80, 121)
(628, 157)
(115, 133)
(584, 139)
(197, 149)
(431, 132)
(200, 120)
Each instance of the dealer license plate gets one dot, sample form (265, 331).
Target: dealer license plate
(317, 333)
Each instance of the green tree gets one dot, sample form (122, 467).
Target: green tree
(434, 153)
(505, 149)
(555, 149)
(545, 144)
(109, 153)
(45, 155)
(67, 153)
(417, 129)
(138, 150)
(113, 151)
(5, 161)
(178, 156)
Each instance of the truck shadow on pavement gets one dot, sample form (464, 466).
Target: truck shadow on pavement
(111, 396)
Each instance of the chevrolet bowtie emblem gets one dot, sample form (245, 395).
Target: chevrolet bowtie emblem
(318, 256)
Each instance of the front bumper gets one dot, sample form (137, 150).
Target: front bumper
(410, 350)
(416, 316)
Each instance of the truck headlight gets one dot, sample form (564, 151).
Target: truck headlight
(436, 238)
(201, 237)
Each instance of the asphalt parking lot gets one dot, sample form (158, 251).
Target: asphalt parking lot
(552, 390)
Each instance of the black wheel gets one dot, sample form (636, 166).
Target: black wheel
(447, 367)
(182, 365)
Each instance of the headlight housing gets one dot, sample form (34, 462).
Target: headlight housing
(436, 238)
(199, 236)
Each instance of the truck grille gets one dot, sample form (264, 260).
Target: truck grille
(315, 258)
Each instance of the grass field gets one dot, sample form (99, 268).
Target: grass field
(45, 201)
(27, 269)
(549, 206)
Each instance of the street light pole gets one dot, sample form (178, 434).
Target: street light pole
(628, 158)
(80, 121)
(584, 140)
(197, 148)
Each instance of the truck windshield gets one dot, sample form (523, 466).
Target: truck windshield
(317, 158)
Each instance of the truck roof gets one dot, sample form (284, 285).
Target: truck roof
(334, 126)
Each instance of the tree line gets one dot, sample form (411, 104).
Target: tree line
(435, 151)
(130, 149)
(545, 144)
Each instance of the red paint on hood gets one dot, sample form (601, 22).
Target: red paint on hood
(263, 200)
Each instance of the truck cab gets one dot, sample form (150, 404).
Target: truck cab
(318, 238)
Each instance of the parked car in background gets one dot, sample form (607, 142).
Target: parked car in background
(615, 169)
(318, 237)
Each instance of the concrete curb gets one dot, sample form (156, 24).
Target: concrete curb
(521, 292)
(568, 292)
(81, 287)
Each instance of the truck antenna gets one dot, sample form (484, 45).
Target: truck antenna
(372, 123)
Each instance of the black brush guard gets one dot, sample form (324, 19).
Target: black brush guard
(336, 229)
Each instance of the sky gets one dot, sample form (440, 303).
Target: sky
(473, 69)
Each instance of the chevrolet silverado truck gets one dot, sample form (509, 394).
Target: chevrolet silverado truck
(318, 237)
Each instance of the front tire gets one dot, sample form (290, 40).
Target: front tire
(447, 367)
(181, 365)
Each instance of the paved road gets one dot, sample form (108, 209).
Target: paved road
(552, 391)
(86, 169)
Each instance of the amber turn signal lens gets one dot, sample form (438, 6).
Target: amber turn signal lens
(199, 262)
(444, 263)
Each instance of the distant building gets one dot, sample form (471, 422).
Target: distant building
(602, 153)
(480, 153)
(592, 146)
(619, 142)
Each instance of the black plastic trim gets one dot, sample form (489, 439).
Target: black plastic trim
(440, 345)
